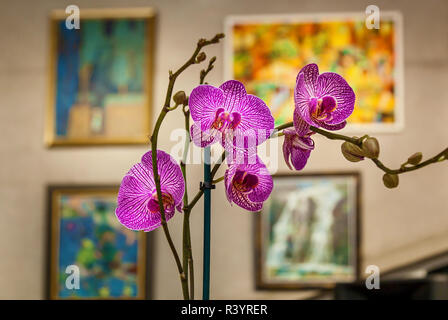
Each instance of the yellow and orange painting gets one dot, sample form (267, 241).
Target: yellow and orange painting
(266, 53)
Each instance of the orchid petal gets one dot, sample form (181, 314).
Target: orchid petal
(334, 85)
(243, 201)
(338, 126)
(233, 93)
(287, 151)
(301, 126)
(299, 158)
(310, 73)
(203, 103)
(265, 183)
(302, 101)
(201, 138)
(256, 119)
(132, 210)
(171, 178)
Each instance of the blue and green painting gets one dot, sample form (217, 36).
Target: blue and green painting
(100, 77)
(105, 252)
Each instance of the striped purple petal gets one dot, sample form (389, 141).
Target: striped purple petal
(233, 94)
(265, 183)
(242, 200)
(248, 185)
(132, 210)
(334, 127)
(333, 85)
(302, 101)
(302, 127)
(310, 73)
(320, 100)
(204, 101)
(238, 117)
(203, 138)
(138, 208)
(299, 158)
(171, 178)
(296, 149)
(257, 122)
(287, 146)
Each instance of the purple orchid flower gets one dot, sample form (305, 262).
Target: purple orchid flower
(138, 205)
(297, 148)
(324, 100)
(248, 185)
(228, 114)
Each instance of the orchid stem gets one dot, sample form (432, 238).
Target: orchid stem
(186, 241)
(441, 156)
(218, 180)
(207, 227)
(154, 137)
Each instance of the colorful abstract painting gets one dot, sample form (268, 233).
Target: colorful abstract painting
(266, 53)
(87, 236)
(100, 76)
(308, 232)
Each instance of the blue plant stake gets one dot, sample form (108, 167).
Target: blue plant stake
(207, 185)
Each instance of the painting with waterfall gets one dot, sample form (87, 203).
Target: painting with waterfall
(307, 234)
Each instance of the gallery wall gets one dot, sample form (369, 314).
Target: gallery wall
(398, 226)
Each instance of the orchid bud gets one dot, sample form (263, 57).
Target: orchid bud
(371, 148)
(352, 152)
(212, 60)
(415, 158)
(390, 180)
(201, 57)
(180, 97)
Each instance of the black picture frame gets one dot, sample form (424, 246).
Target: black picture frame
(260, 281)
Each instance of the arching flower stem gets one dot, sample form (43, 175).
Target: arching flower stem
(154, 138)
(441, 156)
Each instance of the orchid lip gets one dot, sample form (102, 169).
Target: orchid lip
(244, 181)
(321, 108)
(167, 200)
(225, 120)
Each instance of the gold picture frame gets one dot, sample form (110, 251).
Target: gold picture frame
(88, 115)
(84, 214)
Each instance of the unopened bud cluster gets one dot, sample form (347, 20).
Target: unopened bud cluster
(352, 152)
(370, 148)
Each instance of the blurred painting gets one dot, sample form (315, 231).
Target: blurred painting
(88, 242)
(267, 52)
(100, 78)
(307, 233)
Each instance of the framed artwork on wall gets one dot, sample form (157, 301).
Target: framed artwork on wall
(307, 235)
(87, 241)
(267, 52)
(100, 78)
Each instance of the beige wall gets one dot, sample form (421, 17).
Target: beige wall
(398, 225)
